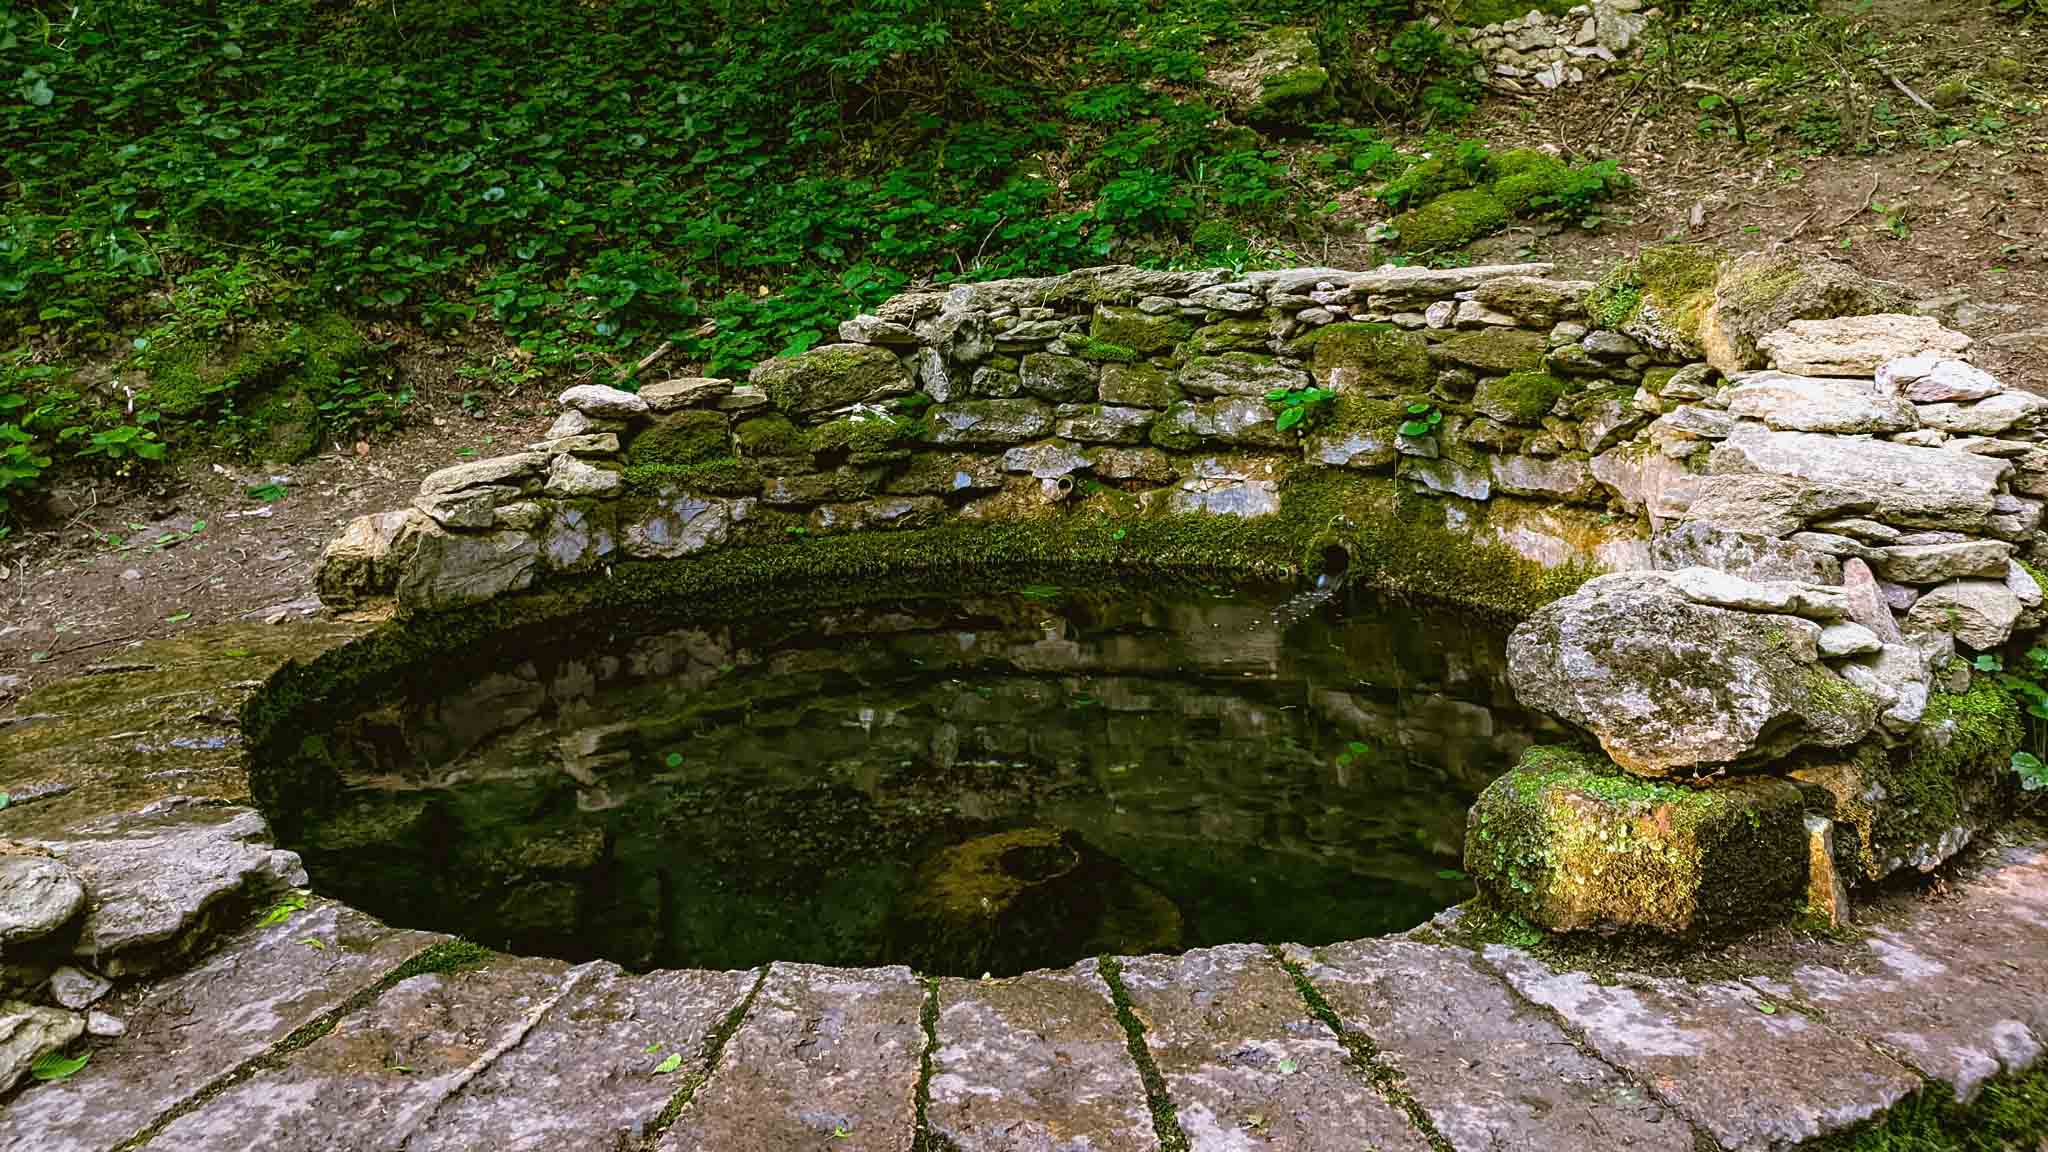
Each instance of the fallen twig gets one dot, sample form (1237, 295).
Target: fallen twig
(646, 361)
(1868, 199)
(94, 644)
(1801, 226)
(1901, 86)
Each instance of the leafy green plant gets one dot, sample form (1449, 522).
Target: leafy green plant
(51, 1067)
(1298, 406)
(2029, 685)
(1422, 420)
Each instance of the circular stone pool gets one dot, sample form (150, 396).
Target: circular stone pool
(968, 782)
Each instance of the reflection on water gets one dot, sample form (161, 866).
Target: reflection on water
(981, 783)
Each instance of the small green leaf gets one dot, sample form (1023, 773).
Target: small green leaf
(1417, 409)
(1450, 874)
(1277, 394)
(1413, 428)
(314, 942)
(1288, 419)
(269, 493)
(1435, 418)
(673, 1062)
(178, 618)
(1288, 1067)
(1767, 1008)
(5, 800)
(1039, 591)
(673, 760)
(54, 1066)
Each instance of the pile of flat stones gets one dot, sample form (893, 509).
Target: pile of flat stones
(1540, 52)
(119, 899)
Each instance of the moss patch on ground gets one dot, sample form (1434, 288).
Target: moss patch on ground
(1452, 220)
(2009, 1115)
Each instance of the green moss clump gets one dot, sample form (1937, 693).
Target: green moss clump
(1520, 397)
(1665, 290)
(1351, 412)
(1101, 351)
(1248, 335)
(1522, 175)
(1450, 221)
(772, 435)
(1378, 359)
(869, 435)
(272, 392)
(681, 438)
(1569, 842)
(1173, 436)
(724, 476)
(1428, 180)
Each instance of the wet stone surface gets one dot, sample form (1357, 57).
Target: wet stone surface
(826, 1058)
(1246, 1064)
(187, 1031)
(585, 1078)
(1038, 1061)
(380, 1074)
(1752, 1073)
(1490, 1072)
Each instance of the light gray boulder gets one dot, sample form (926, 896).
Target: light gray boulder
(1857, 345)
(1911, 486)
(1818, 404)
(1978, 613)
(38, 895)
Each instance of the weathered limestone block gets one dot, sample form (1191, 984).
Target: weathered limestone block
(1931, 378)
(665, 396)
(1979, 613)
(1368, 359)
(1275, 76)
(364, 562)
(159, 879)
(990, 423)
(888, 512)
(936, 474)
(449, 569)
(1991, 416)
(1940, 563)
(1818, 404)
(1666, 683)
(1759, 293)
(601, 402)
(1144, 465)
(570, 478)
(1749, 555)
(1363, 450)
(831, 376)
(1857, 345)
(1568, 478)
(1440, 474)
(865, 329)
(1647, 481)
(519, 468)
(1239, 374)
(1102, 423)
(1224, 486)
(1047, 461)
(579, 536)
(1061, 379)
(584, 444)
(1136, 386)
(678, 524)
(1723, 590)
(1246, 420)
(1570, 843)
(1534, 300)
(38, 895)
(1147, 334)
(1911, 486)
(1495, 351)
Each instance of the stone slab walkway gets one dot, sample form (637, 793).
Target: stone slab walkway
(329, 1031)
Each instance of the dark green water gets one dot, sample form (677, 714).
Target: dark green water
(975, 783)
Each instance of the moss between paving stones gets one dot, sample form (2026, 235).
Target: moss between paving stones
(1569, 842)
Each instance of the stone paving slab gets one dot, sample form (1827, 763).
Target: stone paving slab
(1751, 1078)
(1489, 1071)
(826, 1061)
(583, 1079)
(1943, 990)
(1038, 1061)
(1246, 1064)
(187, 1031)
(369, 1084)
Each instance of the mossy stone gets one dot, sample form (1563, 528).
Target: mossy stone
(1452, 220)
(1426, 181)
(1137, 386)
(1142, 333)
(1519, 397)
(1495, 351)
(724, 476)
(770, 435)
(1570, 842)
(1376, 359)
(691, 436)
(1522, 175)
(1248, 335)
(831, 376)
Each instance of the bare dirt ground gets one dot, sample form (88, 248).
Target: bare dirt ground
(1956, 211)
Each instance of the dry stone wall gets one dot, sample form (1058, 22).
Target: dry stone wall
(1796, 554)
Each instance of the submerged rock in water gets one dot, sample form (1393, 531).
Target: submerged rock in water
(1030, 898)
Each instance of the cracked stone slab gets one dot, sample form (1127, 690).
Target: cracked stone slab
(186, 1031)
(827, 1058)
(154, 878)
(1752, 1079)
(369, 1084)
(1039, 1061)
(1489, 1071)
(583, 1079)
(1956, 988)
(1245, 1063)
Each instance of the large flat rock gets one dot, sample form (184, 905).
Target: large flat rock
(1246, 1064)
(1490, 1072)
(584, 1080)
(1038, 1061)
(1751, 1078)
(373, 1080)
(1913, 486)
(187, 1031)
(153, 877)
(827, 1058)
